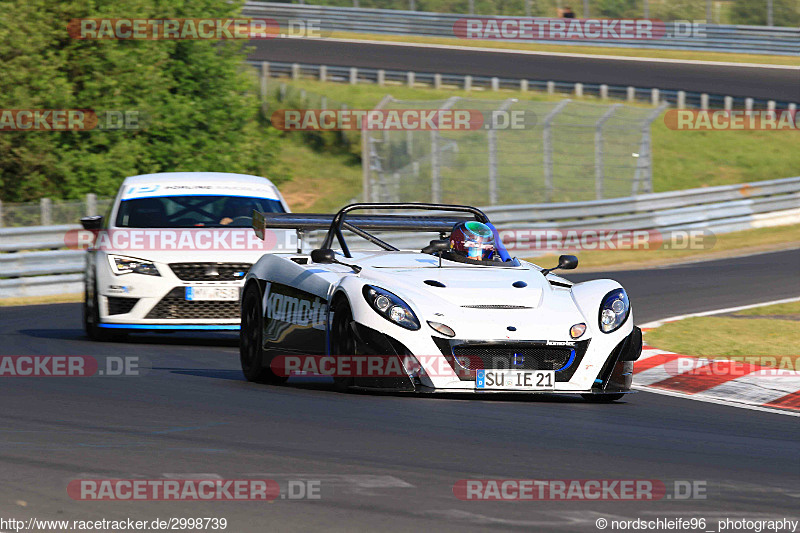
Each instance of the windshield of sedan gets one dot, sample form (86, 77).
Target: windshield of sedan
(193, 211)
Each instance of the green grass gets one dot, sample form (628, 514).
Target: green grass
(589, 50)
(725, 337)
(718, 336)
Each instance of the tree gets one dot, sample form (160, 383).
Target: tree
(754, 12)
(195, 100)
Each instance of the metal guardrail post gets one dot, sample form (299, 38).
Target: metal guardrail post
(46, 211)
(91, 204)
(491, 138)
(599, 169)
(643, 176)
(436, 179)
(547, 147)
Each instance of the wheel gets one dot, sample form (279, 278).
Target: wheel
(342, 341)
(251, 349)
(602, 398)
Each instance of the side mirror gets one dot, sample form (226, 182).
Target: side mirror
(93, 222)
(437, 245)
(323, 255)
(567, 262)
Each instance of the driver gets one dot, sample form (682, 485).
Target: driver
(235, 208)
(472, 241)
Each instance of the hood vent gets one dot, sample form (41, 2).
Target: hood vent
(434, 283)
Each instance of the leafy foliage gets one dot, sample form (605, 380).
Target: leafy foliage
(194, 98)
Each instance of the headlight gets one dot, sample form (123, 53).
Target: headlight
(127, 265)
(614, 311)
(391, 307)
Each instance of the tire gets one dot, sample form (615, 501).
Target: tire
(342, 341)
(251, 350)
(602, 398)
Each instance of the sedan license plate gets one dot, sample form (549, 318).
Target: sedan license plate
(212, 293)
(515, 379)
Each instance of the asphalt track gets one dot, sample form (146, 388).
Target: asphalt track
(760, 83)
(385, 462)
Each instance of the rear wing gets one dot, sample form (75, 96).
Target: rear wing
(359, 224)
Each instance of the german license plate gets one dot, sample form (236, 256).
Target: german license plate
(212, 293)
(515, 379)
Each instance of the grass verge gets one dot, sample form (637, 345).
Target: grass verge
(41, 300)
(762, 331)
(588, 50)
(726, 245)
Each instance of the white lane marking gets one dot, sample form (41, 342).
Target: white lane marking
(657, 323)
(562, 54)
(718, 401)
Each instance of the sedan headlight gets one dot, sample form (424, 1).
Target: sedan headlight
(127, 265)
(614, 311)
(391, 307)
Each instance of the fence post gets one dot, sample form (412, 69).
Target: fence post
(547, 147)
(91, 204)
(579, 90)
(599, 169)
(704, 101)
(492, 149)
(527, 8)
(295, 71)
(655, 96)
(604, 92)
(551, 87)
(728, 103)
(644, 165)
(412, 5)
(467, 82)
(437, 81)
(353, 75)
(46, 211)
(471, 7)
(410, 79)
(323, 73)
(264, 78)
(495, 83)
(1, 214)
(681, 100)
(523, 86)
(436, 181)
(748, 104)
(381, 77)
(631, 93)
(369, 158)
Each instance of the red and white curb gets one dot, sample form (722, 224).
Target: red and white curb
(717, 379)
(725, 381)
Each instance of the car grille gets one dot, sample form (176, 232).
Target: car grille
(468, 357)
(175, 306)
(119, 306)
(475, 357)
(210, 271)
(497, 306)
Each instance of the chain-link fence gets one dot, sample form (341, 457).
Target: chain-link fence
(565, 151)
(47, 212)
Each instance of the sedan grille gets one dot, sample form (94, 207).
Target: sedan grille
(210, 271)
(174, 306)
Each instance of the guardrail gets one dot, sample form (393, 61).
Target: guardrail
(705, 37)
(25, 270)
(630, 94)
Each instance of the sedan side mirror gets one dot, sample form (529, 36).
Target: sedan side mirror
(93, 222)
(323, 255)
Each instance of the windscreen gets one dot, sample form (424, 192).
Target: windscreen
(193, 211)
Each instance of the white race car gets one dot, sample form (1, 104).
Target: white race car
(460, 315)
(173, 252)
